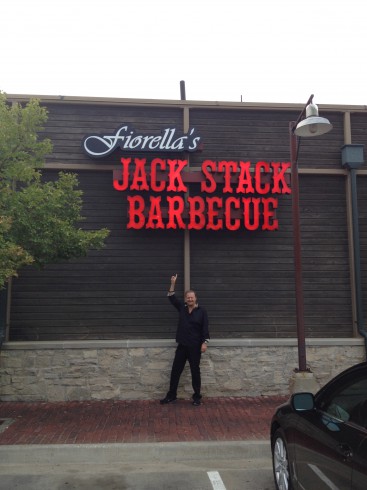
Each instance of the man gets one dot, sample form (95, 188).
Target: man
(192, 337)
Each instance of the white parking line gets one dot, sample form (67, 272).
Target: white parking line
(216, 480)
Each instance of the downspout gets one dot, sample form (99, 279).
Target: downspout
(3, 315)
(352, 159)
(357, 258)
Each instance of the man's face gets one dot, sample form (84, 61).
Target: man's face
(190, 299)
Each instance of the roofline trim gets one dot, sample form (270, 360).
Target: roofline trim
(179, 103)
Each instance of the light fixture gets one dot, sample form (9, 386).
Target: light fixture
(313, 125)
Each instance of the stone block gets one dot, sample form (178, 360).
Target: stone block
(233, 385)
(77, 393)
(105, 394)
(56, 393)
(13, 362)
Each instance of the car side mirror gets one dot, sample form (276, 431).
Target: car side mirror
(303, 401)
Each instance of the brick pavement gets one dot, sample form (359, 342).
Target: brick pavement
(117, 421)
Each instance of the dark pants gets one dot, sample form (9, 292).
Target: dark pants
(193, 355)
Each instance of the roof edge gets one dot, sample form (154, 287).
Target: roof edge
(179, 103)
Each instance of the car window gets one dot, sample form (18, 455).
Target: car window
(348, 402)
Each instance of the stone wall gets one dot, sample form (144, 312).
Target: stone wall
(98, 370)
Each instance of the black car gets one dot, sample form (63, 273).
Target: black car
(320, 441)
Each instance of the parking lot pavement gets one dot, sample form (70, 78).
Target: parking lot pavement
(244, 465)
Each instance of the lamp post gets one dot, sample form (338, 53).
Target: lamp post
(312, 125)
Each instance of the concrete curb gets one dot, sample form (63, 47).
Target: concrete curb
(131, 452)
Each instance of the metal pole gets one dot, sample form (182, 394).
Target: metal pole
(182, 90)
(297, 251)
(187, 256)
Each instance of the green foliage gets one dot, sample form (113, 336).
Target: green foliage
(21, 153)
(39, 221)
(12, 256)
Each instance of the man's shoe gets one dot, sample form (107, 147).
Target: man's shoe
(196, 403)
(167, 400)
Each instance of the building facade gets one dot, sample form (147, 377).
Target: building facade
(201, 189)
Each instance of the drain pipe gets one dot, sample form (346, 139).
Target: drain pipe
(3, 314)
(352, 159)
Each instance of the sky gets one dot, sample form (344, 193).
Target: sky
(229, 50)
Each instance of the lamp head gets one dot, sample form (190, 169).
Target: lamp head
(313, 125)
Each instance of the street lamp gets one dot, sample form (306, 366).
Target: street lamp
(312, 125)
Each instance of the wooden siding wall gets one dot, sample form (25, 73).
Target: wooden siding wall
(245, 279)
(263, 136)
(68, 124)
(118, 292)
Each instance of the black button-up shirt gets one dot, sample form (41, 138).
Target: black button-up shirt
(192, 328)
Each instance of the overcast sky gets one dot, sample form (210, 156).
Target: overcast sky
(262, 50)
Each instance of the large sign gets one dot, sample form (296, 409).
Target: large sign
(127, 139)
(243, 200)
(233, 195)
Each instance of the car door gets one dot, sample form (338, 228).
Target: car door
(329, 440)
(322, 452)
(359, 471)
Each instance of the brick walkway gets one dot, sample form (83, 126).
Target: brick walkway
(217, 419)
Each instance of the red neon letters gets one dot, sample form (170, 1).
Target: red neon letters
(250, 209)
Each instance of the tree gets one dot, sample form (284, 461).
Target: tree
(39, 221)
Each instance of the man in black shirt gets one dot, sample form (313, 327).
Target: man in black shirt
(192, 337)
